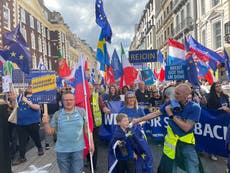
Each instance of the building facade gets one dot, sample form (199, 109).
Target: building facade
(44, 31)
(164, 25)
(185, 16)
(213, 18)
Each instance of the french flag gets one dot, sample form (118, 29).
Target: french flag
(176, 53)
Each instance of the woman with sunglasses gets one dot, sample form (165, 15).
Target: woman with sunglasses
(131, 107)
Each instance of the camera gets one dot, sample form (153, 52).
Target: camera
(123, 149)
(175, 106)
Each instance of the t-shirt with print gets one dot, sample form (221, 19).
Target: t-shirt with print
(70, 129)
(191, 111)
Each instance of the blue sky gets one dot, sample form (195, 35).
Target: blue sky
(79, 15)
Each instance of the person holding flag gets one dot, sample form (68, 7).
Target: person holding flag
(70, 123)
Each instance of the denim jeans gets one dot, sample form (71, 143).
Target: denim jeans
(71, 162)
(190, 158)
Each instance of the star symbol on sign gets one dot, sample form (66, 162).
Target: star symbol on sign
(188, 68)
(143, 155)
(13, 54)
(21, 57)
(206, 53)
(190, 61)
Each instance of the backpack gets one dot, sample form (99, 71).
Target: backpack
(58, 113)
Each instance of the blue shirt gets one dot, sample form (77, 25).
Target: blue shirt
(191, 111)
(69, 131)
(132, 112)
(26, 115)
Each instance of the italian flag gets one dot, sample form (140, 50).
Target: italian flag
(63, 68)
(129, 72)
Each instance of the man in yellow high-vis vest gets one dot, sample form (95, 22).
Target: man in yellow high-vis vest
(180, 137)
(97, 107)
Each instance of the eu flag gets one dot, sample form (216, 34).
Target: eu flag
(227, 63)
(191, 67)
(16, 49)
(102, 54)
(116, 65)
(144, 162)
(102, 21)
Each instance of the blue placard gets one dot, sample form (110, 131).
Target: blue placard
(176, 72)
(44, 97)
(138, 56)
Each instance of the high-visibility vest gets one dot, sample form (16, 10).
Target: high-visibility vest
(96, 110)
(171, 142)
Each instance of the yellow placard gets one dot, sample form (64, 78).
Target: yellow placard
(43, 83)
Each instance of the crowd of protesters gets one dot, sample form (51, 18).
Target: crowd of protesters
(100, 94)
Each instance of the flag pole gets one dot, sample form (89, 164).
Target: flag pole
(86, 109)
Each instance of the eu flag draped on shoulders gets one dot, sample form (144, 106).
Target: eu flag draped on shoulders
(102, 21)
(63, 68)
(191, 67)
(136, 136)
(102, 53)
(16, 49)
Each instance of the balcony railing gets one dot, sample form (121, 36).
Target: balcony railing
(177, 4)
(227, 31)
(185, 26)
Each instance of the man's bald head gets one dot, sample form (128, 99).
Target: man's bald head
(184, 88)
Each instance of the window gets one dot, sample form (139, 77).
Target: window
(39, 44)
(217, 35)
(48, 34)
(171, 5)
(177, 20)
(182, 15)
(188, 10)
(34, 60)
(202, 3)
(45, 48)
(6, 17)
(32, 40)
(49, 49)
(23, 30)
(31, 22)
(215, 2)
(203, 37)
(38, 27)
(22, 15)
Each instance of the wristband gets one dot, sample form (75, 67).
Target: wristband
(171, 117)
